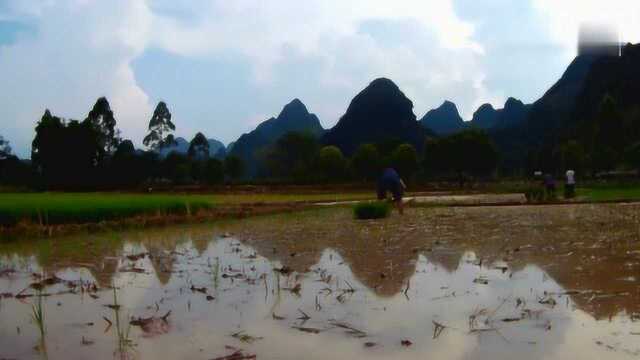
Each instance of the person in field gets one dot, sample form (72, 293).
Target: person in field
(550, 186)
(390, 182)
(570, 185)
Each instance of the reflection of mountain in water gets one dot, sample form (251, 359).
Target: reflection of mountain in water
(472, 299)
(383, 268)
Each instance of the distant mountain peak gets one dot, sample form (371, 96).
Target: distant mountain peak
(486, 117)
(449, 105)
(296, 102)
(295, 105)
(513, 102)
(380, 112)
(443, 120)
(485, 107)
(383, 81)
(294, 111)
(294, 116)
(181, 146)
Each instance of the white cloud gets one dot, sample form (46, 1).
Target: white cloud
(565, 17)
(437, 53)
(81, 51)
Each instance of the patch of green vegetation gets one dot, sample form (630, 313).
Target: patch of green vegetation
(69, 208)
(372, 210)
(609, 193)
(61, 208)
(290, 197)
(535, 194)
(37, 314)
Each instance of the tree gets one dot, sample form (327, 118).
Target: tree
(5, 149)
(177, 168)
(469, 151)
(405, 160)
(478, 154)
(66, 154)
(366, 162)
(611, 127)
(572, 156)
(199, 147)
(632, 156)
(233, 167)
(125, 166)
(214, 172)
(15, 172)
(102, 119)
(160, 129)
(331, 164)
(436, 161)
(293, 155)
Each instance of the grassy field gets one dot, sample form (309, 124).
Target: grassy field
(80, 208)
(609, 193)
(58, 208)
(64, 208)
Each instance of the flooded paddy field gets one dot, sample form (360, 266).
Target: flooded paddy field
(531, 282)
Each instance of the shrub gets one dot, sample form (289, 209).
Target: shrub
(372, 210)
(535, 194)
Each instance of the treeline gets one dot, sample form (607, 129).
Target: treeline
(90, 154)
(301, 158)
(608, 140)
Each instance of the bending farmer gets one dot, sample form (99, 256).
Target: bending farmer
(391, 182)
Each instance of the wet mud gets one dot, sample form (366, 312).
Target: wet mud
(549, 282)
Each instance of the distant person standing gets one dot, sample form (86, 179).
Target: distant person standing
(391, 182)
(550, 186)
(570, 185)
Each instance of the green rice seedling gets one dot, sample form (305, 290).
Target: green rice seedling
(125, 344)
(63, 208)
(372, 210)
(216, 274)
(37, 314)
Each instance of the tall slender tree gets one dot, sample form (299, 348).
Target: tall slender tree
(160, 129)
(102, 119)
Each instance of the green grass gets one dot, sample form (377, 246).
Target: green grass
(68, 208)
(290, 197)
(60, 208)
(609, 193)
(371, 210)
(37, 314)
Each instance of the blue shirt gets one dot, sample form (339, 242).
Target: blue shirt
(390, 176)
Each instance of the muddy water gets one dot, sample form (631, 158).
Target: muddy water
(204, 296)
(470, 283)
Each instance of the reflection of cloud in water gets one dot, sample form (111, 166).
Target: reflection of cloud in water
(246, 294)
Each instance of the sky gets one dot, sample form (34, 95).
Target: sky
(224, 66)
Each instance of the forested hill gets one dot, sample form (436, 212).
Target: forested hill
(379, 112)
(594, 108)
(294, 117)
(443, 120)
(181, 146)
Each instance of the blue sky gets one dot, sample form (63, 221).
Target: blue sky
(224, 66)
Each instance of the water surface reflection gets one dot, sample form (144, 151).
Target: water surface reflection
(207, 296)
